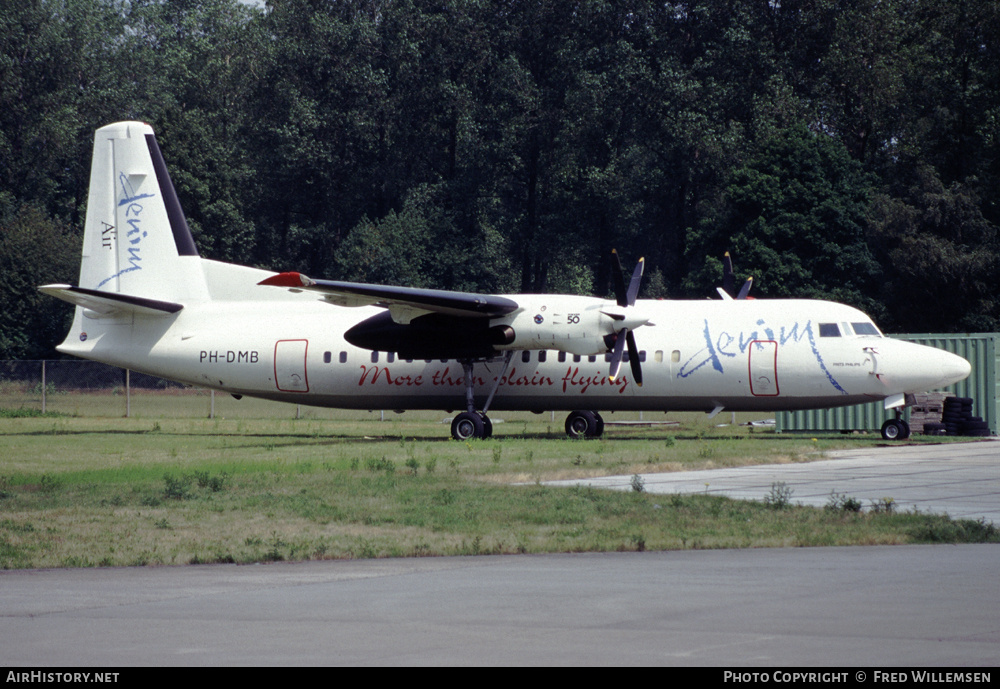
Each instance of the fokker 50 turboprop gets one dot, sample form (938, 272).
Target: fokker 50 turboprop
(147, 301)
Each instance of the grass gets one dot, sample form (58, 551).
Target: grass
(150, 490)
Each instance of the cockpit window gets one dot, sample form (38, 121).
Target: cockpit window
(866, 329)
(829, 330)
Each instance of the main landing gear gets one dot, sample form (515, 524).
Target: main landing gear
(475, 424)
(471, 423)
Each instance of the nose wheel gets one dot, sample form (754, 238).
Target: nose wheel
(895, 429)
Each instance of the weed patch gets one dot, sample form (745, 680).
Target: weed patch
(24, 413)
(839, 502)
(779, 497)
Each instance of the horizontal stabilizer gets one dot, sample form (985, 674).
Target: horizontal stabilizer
(109, 303)
(398, 299)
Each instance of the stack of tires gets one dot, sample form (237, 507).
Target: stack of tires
(957, 419)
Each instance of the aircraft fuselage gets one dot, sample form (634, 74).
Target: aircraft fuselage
(697, 356)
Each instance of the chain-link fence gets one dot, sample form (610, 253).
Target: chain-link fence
(89, 388)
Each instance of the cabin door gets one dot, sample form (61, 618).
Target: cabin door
(763, 368)
(290, 365)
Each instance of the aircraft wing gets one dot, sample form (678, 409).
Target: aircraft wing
(107, 303)
(403, 303)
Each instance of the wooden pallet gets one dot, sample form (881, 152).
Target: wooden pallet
(926, 408)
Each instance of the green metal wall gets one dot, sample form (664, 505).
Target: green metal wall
(982, 385)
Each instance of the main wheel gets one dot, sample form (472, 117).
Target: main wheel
(468, 425)
(582, 424)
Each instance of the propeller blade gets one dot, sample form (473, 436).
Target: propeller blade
(621, 295)
(633, 286)
(633, 358)
(745, 290)
(625, 298)
(728, 276)
(616, 355)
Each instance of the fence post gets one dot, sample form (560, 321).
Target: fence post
(43, 386)
(128, 393)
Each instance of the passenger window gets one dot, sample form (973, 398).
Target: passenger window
(562, 357)
(526, 356)
(374, 357)
(541, 356)
(658, 356)
(829, 330)
(576, 358)
(592, 358)
(327, 357)
(675, 356)
(343, 357)
(390, 357)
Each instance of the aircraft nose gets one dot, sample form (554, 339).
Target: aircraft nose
(953, 368)
(918, 368)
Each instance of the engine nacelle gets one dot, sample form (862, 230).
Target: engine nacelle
(571, 324)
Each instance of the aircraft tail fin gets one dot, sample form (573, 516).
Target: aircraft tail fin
(136, 240)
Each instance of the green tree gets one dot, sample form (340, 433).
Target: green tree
(34, 250)
(59, 80)
(940, 256)
(319, 129)
(793, 217)
(198, 59)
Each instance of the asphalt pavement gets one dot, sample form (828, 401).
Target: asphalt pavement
(961, 480)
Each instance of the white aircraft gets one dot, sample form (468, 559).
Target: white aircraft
(148, 302)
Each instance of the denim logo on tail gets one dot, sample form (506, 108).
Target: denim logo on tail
(133, 219)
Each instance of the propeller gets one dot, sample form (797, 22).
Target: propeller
(729, 279)
(625, 297)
